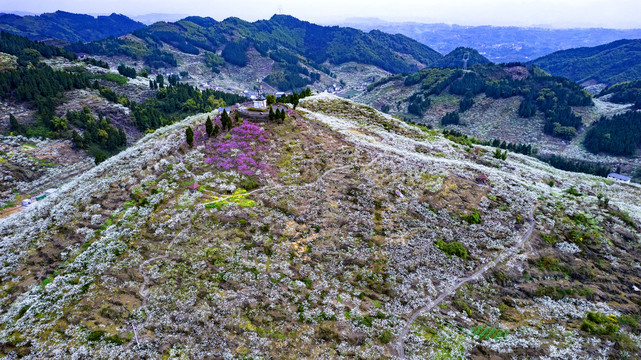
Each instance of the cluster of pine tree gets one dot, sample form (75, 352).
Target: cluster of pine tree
(127, 71)
(278, 115)
(111, 46)
(467, 102)
(419, 103)
(94, 62)
(26, 49)
(177, 100)
(575, 165)
(525, 149)
(294, 98)
(620, 135)
(451, 118)
(226, 121)
(100, 137)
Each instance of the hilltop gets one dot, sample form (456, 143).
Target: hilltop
(68, 27)
(455, 58)
(340, 232)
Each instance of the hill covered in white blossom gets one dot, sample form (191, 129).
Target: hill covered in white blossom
(338, 233)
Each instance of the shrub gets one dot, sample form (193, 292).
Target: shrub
(452, 248)
(573, 191)
(95, 335)
(386, 337)
(473, 218)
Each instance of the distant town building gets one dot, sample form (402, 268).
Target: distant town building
(619, 177)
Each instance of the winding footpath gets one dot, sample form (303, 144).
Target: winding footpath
(452, 288)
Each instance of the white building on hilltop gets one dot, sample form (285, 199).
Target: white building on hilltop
(619, 177)
(260, 102)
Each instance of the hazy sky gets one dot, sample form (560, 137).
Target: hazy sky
(554, 13)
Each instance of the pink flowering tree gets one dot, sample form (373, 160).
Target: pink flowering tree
(239, 150)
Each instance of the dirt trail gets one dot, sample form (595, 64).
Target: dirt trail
(452, 288)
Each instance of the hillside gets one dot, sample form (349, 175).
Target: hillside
(61, 115)
(286, 52)
(608, 64)
(455, 58)
(338, 233)
(68, 27)
(518, 105)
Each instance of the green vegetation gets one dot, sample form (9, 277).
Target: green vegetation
(100, 137)
(473, 218)
(127, 71)
(451, 118)
(487, 332)
(29, 51)
(386, 337)
(454, 58)
(94, 62)
(189, 136)
(553, 96)
(452, 248)
(501, 155)
(610, 63)
(572, 191)
(285, 39)
(620, 135)
(118, 79)
(68, 27)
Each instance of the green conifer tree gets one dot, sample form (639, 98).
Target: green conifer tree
(209, 126)
(189, 133)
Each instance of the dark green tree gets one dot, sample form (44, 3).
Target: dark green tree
(271, 113)
(189, 134)
(14, 125)
(450, 118)
(295, 99)
(225, 120)
(209, 127)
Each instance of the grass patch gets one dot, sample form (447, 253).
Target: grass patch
(239, 197)
(119, 79)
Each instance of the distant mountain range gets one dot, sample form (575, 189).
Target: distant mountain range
(499, 44)
(68, 26)
(300, 48)
(608, 64)
(290, 53)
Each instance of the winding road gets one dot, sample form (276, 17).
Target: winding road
(452, 288)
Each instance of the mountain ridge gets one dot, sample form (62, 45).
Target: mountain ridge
(68, 26)
(608, 64)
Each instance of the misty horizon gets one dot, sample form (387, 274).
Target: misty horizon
(568, 14)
